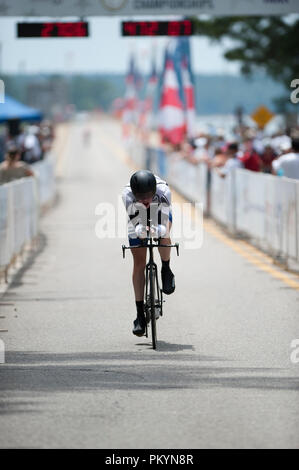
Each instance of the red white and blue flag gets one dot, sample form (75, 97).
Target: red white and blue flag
(172, 124)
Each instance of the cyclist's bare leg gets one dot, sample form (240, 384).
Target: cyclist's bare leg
(165, 251)
(168, 283)
(139, 260)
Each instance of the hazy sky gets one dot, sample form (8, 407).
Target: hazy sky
(104, 51)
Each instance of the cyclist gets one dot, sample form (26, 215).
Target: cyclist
(148, 197)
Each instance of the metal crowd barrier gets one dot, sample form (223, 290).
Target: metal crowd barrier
(262, 207)
(20, 204)
(267, 210)
(44, 171)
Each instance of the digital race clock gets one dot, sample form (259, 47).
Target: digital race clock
(77, 29)
(157, 28)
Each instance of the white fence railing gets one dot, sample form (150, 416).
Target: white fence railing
(260, 206)
(44, 171)
(267, 209)
(20, 204)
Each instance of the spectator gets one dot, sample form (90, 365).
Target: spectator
(284, 146)
(288, 164)
(32, 148)
(12, 168)
(220, 157)
(45, 140)
(281, 144)
(250, 157)
(202, 150)
(232, 161)
(186, 149)
(267, 158)
(187, 152)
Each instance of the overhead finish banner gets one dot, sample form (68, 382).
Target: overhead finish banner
(61, 8)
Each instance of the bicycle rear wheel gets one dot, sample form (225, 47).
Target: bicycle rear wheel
(152, 306)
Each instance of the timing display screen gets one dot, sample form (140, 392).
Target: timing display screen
(157, 28)
(77, 29)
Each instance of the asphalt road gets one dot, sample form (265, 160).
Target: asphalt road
(75, 376)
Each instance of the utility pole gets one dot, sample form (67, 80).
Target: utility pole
(1, 51)
(2, 86)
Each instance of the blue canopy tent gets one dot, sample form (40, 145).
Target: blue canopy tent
(12, 109)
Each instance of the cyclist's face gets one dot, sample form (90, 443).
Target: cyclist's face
(145, 199)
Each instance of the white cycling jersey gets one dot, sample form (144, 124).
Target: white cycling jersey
(160, 207)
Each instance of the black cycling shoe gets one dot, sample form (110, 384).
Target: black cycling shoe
(139, 326)
(168, 283)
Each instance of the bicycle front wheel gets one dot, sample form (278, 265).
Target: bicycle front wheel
(152, 307)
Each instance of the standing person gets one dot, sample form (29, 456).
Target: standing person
(250, 157)
(32, 148)
(12, 168)
(219, 159)
(267, 158)
(148, 197)
(232, 161)
(288, 164)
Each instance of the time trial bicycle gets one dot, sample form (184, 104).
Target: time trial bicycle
(153, 297)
